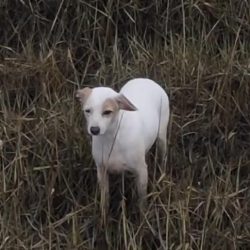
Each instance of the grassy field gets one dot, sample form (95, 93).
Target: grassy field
(199, 51)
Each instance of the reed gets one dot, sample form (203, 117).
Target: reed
(198, 50)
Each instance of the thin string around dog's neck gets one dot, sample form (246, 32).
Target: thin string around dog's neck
(112, 146)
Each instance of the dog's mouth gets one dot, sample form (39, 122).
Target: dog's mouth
(94, 134)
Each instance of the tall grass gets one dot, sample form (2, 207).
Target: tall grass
(197, 50)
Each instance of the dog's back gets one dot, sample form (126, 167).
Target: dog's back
(153, 107)
(144, 92)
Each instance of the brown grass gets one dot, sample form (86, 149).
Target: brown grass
(198, 50)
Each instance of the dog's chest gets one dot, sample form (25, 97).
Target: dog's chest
(112, 156)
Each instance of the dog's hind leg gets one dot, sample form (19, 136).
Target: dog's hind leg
(162, 148)
(162, 134)
(142, 183)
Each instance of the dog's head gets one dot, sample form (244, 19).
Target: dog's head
(101, 106)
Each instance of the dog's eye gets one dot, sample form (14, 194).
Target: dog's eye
(87, 111)
(107, 112)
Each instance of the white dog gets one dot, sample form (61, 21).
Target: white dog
(124, 126)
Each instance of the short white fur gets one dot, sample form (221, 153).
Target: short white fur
(129, 131)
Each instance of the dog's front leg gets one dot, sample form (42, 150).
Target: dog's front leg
(103, 180)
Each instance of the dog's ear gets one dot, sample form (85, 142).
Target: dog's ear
(124, 103)
(83, 94)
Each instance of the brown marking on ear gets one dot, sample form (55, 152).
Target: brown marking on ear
(83, 94)
(110, 104)
(124, 103)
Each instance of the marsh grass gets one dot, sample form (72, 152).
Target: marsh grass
(197, 50)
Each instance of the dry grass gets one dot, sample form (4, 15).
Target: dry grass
(198, 50)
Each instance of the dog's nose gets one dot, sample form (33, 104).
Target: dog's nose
(95, 130)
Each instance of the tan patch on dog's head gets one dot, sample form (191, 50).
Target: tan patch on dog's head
(110, 105)
(83, 94)
(124, 103)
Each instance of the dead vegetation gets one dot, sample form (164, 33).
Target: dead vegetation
(198, 50)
